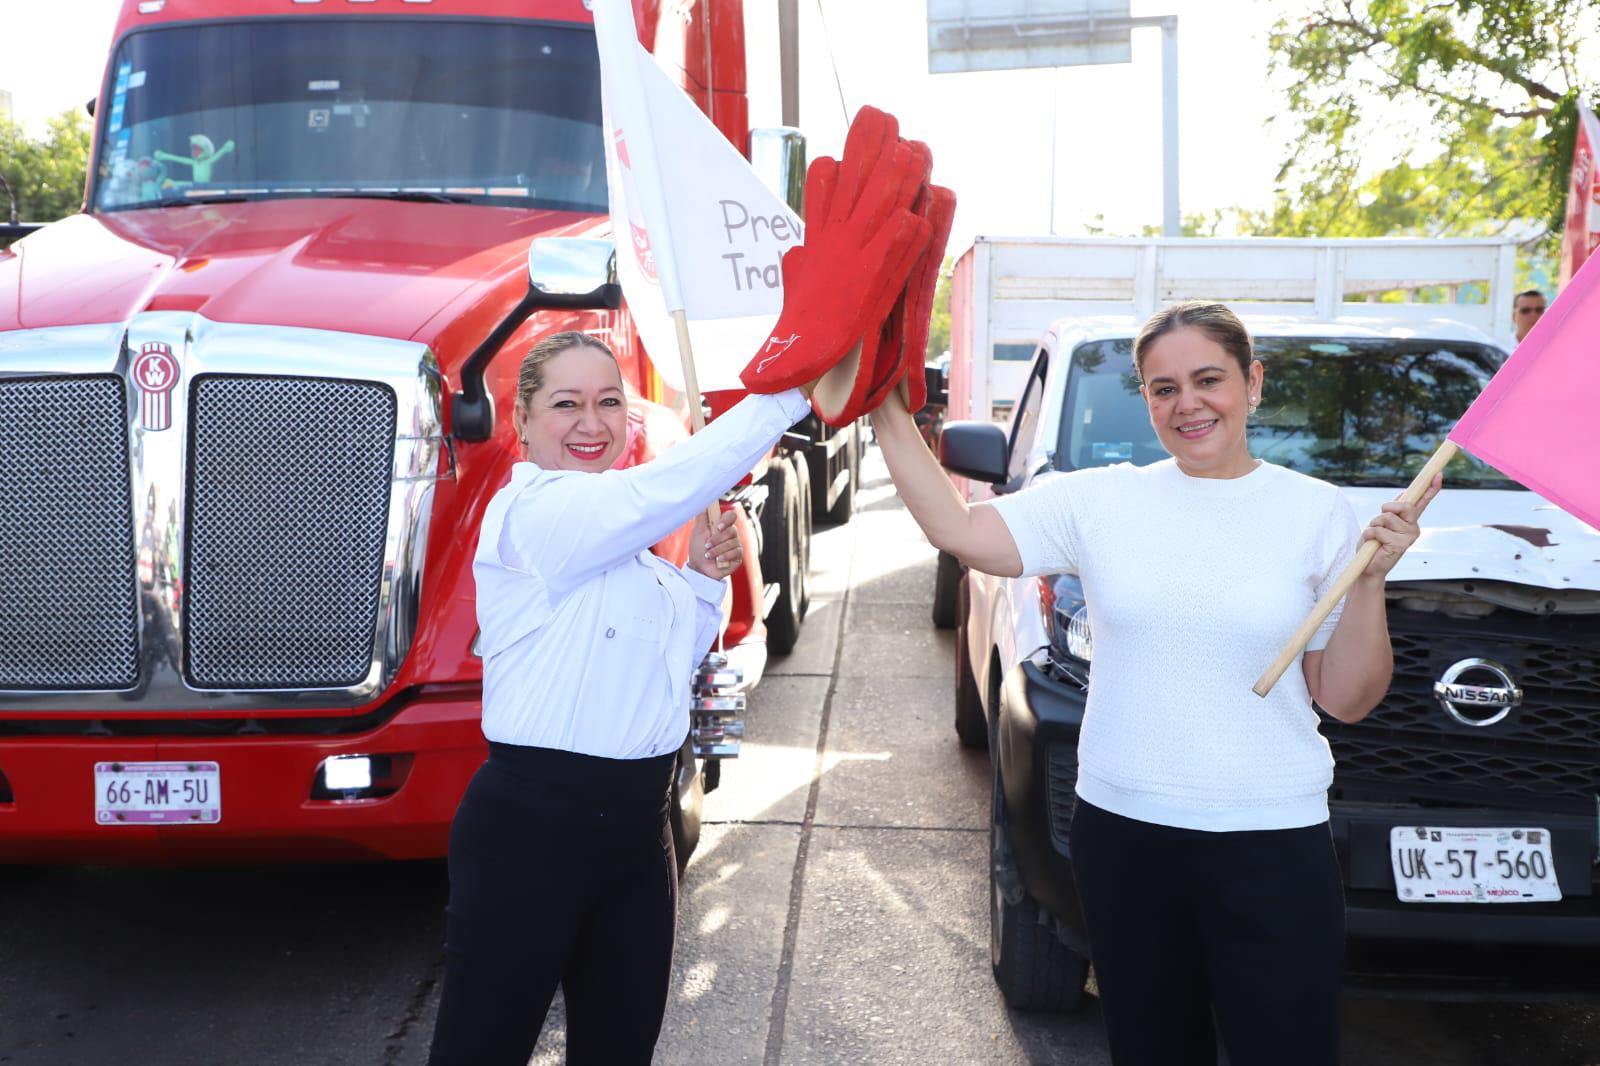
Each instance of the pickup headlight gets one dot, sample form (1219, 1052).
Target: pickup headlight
(1066, 618)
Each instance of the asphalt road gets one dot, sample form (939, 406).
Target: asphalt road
(836, 911)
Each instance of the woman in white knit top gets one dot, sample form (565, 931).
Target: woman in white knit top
(1200, 840)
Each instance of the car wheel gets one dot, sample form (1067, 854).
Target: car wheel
(972, 725)
(1034, 969)
(688, 799)
(946, 589)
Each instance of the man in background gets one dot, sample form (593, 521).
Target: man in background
(1526, 310)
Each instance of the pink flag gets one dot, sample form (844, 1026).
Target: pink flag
(1537, 421)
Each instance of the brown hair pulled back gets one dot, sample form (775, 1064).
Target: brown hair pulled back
(530, 377)
(1214, 320)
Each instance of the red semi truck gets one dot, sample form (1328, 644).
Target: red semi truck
(248, 423)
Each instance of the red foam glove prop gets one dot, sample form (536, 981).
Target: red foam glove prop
(862, 241)
(856, 385)
(894, 354)
(939, 208)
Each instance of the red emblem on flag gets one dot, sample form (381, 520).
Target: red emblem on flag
(155, 372)
(641, 250)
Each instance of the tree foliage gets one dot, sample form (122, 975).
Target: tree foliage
(45, 174)
(1494, 84)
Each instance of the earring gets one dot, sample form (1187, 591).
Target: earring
(1253, 402)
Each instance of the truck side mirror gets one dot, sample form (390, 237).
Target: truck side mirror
(975, 450)
(565, 273)
(778, 156)
(89, 107)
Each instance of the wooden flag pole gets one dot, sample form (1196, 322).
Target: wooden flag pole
(1324, 607)
(697, 417)
(691, 384)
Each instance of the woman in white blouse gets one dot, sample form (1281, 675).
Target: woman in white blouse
(561, 860)
(1200, 844)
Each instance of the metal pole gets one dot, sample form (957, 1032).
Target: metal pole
(789, 60)
(1171, 220)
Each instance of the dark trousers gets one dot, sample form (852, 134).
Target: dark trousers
(561, 872)
(1195, 934)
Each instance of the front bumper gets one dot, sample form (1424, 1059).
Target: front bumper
(1476, 947)
(268, 813)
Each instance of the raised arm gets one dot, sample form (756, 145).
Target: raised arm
(976, 535)
(573, 526)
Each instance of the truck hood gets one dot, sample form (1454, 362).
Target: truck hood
(1494, 535)
(375, 267)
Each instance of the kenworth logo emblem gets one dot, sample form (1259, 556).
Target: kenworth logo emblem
(155, 372)
(1465, 703)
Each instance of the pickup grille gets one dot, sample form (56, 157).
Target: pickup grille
(68, 613)
(1545, 754)
(288, 509)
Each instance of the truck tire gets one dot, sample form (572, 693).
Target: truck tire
(845, 505)
(802, 481)
(781, 559)
(1034, 969)
(972, 725)
(946, 587)
(688, 799)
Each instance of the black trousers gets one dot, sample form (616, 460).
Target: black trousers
(561, 872)
(1196, 933)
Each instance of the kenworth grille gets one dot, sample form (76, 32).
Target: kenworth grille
(68, 617)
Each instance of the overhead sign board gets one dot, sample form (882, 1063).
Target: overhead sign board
(968, 35)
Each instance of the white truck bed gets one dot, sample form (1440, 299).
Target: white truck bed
(1008, 290)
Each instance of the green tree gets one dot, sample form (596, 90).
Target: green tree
(1497, 82)
(47, 174)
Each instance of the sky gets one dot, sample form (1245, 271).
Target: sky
(991, 133)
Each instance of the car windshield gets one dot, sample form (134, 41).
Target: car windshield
(428, 109)
(1350, 411)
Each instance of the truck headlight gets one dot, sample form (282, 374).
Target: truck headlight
(1066, 616)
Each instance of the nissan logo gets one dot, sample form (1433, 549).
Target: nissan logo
(1496, 700)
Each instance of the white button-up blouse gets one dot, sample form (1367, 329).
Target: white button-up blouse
(590, 641)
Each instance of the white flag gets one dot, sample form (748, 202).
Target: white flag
(696, 229)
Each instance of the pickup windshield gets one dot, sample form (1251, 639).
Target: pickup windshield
(1347, 410)
(426, 109)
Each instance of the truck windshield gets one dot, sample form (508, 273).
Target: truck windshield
(488, 112)
(1347, 410)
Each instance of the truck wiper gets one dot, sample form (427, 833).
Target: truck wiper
(1373, 482)
(413, 195)
(186, 201)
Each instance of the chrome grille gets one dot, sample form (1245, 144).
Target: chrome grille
(68, 612)
(288, 509)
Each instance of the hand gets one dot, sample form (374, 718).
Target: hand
(1396, 529)
(715, 553)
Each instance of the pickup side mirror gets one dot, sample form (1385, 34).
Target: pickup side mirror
(778, 156)
(975, 450)
(565, 273)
